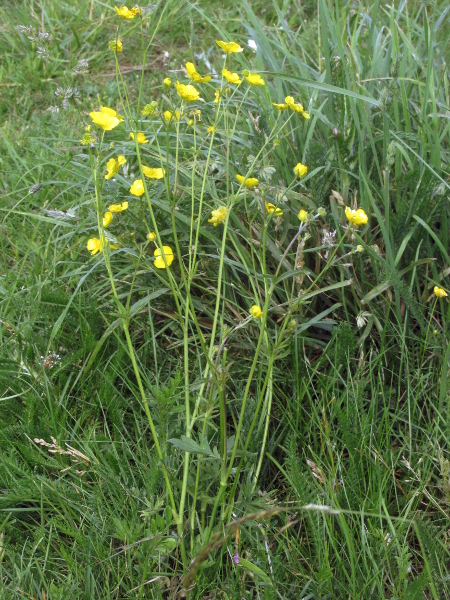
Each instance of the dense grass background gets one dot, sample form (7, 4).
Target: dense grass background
(360, 420)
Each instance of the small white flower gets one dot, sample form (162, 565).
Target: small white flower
(252, 45)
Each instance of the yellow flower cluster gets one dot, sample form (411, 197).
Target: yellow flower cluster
(439, 292)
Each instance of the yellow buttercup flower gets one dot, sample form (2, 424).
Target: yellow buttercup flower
(140, 137)
(195, 75)
(218, 215)
(116, 46)
(211, 129)
(169, 115)
(216, 96)
(187, 92)
(111, 112)
(166, 252)
(303, 215)
(151, 236)
(272, 209)
(113, 166)
(255, 79)
(94, 245)
(104, 120)
(137, 189)
(229, 47)
(231, 77)
(118, 208)
(280, 106)
(256, 312)
(357, 217)
(293, 105)
(250, 182)
(306, 115)
(153, 173)
(128, 13)
(300, 170)
(439, 292)
(107, 219)
(167, 82)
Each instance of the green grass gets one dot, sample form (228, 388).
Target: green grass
(328, 471)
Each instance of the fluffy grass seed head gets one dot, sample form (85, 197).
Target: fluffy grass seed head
(153, 173)
(273, 210)
(118, 208)
(229, 47)
(187, 92)
(300, 170)
(159, 255)
(256, 312)
(140, 137)
(249, 182)
(357, 217)
(218, 215)
(137, 188)
(113, 166)
(231, 77)
(195, 75)
(439, 292)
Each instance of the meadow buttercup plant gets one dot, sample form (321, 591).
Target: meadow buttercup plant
(178, 206)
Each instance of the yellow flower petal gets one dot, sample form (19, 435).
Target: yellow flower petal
(229, 47)
(280, 106)
(439, 292)
(303, 215)
(128, 13)
(218, 215)
(195, 75)
(151, 236)
(140, 137)
(187, 92)
(231, 77)
(272, 209)
(113, 166)
(300, 170)
(137, 189)
(169, 115)
(255, 79)
(250, 182)
(166, 252)
(118, 208)
(94, 245)
(293, 105)
(357, 217)
(103, 120)
(153, 173)
(256, 312)
(107, 219)
(167, 82)
(111, 112)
